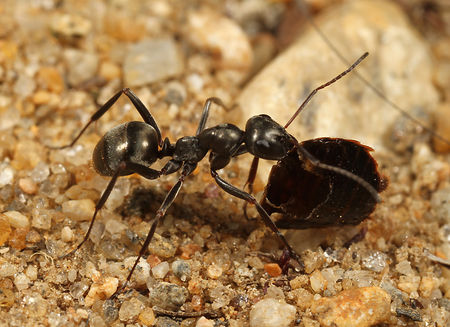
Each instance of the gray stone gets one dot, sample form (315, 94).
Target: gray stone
(399, 65)
(152, 60)
(81, 66)
(168, 296)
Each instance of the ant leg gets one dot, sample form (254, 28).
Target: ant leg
(250, 180)
(233, 190)
(313, 161)
(141, 170)
(205, 113)
(303, 105)
(170, 197)
(140, 107)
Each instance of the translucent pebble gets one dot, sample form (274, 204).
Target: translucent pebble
(21, 281)
(42, 219)
(17, 220)
(115, 227)
(143, 269)
(7, 269)
(204, 322)
(40, 172)
(66, 234)
(79, 210)
(24, 85)
(31, 272)
(101, 290)
(271, 313)
(160, 271)
(376, 261)
(147, 317)
(181, 269)
(27, 185)
(404, 267)
(130, 310)
(195, 82)
(318, 281)
(6, 175)
(72, 275)
(214, 271)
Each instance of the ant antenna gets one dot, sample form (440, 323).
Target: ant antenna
(303, 105)
(304, 8)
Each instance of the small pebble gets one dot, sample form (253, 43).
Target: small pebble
(214, 271)
(272, 313)
(21, 281)
(166, 322)
(66, 234)
(40, 172)
(68, 25)
(130, 309)
(160, 271)
(79, 210)
(409, 283)
(81, 65)
(5, 229)
(41, 218)
(181, 269)
(318, 281)
(109, 70)
(361, 307)
(404, 267)
(17, 239)
(50, 78)
(152, 60)
(273, 269)
(204, 322)
(162, 247)
(147, 317)
(213, 32)
(31, 272)
(101, 290)
(6, 175)
(17, 220)
(28, 185)
(168, 296)
(188, 250)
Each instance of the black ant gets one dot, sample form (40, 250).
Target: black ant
(134, 146)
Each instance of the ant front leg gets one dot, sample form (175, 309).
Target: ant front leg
(233, 190)
(139, 169)
(140, 107)
(250, 181)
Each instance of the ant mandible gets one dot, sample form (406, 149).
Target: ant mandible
(134, 146)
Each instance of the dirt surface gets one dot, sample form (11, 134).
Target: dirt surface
(207, 265)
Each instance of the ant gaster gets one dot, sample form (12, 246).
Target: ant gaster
(134, 146)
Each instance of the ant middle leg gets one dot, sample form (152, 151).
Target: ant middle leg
(233, 190)
(168, 200)
(140, 107)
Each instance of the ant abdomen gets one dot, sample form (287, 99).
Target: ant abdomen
(266, 139)
(135, 142)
